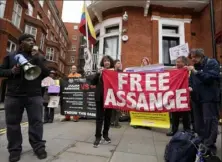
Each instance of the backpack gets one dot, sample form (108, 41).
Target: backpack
(182, 148)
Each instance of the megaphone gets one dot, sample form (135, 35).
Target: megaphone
(31, 71)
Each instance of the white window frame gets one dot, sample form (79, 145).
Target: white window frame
(50, 54)
(74, 37)
(47, 33)
(29, 30)
(53, 22)
(72, 59)
(2, 8)
(30, 9)
(41, 2)
(73, 48)
(180, 23)
(52, 37)
(49, 14)
(101, 28)
(11, 44)
(38, 17)
(76, 27)
(16, 16)
(42, 41)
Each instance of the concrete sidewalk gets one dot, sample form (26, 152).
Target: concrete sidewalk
(73, 142)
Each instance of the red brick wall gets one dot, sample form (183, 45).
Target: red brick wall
(143, 32)
(201, 26)
(59, 5)
(71, 32)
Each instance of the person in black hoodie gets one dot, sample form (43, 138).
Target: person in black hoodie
(101, 113)
(22, 93)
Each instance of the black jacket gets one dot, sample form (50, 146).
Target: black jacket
(205, 83)
(98, 82)
(17, 85)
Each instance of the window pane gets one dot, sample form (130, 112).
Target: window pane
(169, 42)
(170, 30)
(111, 46)
(112, 29)
(2, 8)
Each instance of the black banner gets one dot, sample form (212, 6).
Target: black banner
(78, 98)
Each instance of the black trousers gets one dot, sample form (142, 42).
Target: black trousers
(206, 116)
(14, 108)
(48, 113)
(115, 117)
(102, 116)
(176, 120)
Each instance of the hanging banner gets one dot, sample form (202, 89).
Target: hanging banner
(165, 91)
(158, 120)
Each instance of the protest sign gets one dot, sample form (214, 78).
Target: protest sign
(177, 51)
(54, 101)
(165, 91)
(158, 120)
(77, 98)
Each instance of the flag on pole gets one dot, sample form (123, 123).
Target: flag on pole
(82, 26)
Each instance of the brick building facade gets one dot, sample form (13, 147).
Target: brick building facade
(74, 46)
(152, 28)
(39, 18)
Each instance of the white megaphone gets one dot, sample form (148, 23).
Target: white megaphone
(31, 71)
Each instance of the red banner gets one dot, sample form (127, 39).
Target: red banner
(152, 92)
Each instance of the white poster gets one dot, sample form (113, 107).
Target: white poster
(177, 51)
(54, 101)
(88, 62)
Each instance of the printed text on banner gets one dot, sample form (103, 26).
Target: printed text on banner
(165, 91)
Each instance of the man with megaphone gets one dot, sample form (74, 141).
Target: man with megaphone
(25, 73)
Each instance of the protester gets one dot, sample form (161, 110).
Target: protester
(102, 114)
(145, 61)
(49, 112)
(22, 93)
(73, 74)
(181, 62)
(204, 81)
(116, 113)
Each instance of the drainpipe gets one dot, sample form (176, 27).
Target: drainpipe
(212, 19)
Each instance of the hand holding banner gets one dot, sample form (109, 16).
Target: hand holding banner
(150, 92)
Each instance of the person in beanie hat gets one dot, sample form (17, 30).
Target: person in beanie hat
(24, 94)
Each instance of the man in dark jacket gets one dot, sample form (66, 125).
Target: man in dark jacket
(204, 81)
(22, 93)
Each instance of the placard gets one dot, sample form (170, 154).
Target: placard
(54, 101)
(78, 98)
(177, 51)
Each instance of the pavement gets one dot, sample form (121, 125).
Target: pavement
(73, 142)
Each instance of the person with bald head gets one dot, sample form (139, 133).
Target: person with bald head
(73, 74)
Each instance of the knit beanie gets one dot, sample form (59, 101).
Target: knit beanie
(25, 36)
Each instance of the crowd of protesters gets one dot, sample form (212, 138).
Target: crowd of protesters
(204, 86)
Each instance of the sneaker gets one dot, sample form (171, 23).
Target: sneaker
(97, 142)
(41, 154)
(14, 157)
(107, 139)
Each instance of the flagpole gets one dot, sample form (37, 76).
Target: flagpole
(87, 34)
